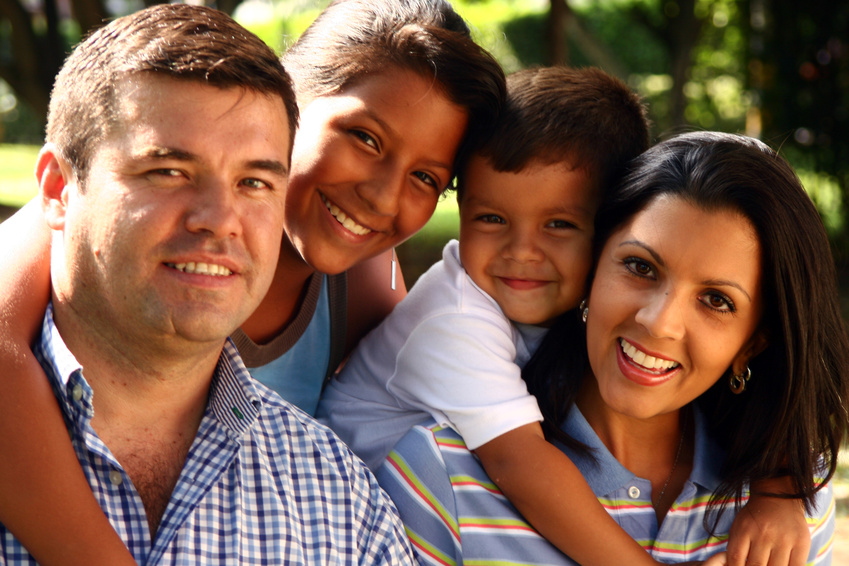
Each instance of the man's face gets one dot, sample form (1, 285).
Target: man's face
(175, 230)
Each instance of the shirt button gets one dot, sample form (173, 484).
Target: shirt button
(633, 492)
(77, 393)
(115, 477)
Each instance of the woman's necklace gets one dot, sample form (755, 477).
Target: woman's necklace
(674, 464)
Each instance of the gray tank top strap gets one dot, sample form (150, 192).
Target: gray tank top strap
(337, 286)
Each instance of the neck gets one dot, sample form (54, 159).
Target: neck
(659, 449)
(283, 299)
(140, 380)
(148, 401)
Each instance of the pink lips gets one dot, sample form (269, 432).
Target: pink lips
(640, 375)
(523, 284)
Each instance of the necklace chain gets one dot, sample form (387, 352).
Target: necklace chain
(674, 465)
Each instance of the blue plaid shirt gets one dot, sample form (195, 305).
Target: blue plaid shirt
(262, 484)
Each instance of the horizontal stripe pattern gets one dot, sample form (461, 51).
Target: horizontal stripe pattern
(454, 514)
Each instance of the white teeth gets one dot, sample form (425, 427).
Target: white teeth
(642, 359)
(344, 219)
(201, 268)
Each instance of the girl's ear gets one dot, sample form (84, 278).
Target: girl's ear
(55, 178)
(756, 344)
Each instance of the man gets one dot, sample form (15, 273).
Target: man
(168, 146)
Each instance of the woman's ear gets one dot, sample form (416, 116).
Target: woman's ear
(55, 178)
(756, 344)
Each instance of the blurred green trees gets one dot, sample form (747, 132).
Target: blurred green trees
(773, 69)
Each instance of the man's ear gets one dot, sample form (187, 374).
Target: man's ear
(756, 344)
(55, 178)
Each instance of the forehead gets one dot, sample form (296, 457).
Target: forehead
(716, 244)
(538, 186)
(172, 112)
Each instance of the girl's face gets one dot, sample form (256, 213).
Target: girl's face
(676, 301)
(368, 167)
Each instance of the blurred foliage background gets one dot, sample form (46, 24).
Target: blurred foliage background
(772, 69)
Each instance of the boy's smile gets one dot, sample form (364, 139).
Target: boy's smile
(526, 238)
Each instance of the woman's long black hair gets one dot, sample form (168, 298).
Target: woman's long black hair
(793, 416)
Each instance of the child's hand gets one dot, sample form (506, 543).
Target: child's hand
(769, 531)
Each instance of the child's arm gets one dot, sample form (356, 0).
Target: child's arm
(770, 530)
(45, 500)
(547, 488)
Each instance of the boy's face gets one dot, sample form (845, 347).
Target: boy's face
(526, 238)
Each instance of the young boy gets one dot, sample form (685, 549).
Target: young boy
(453, 350)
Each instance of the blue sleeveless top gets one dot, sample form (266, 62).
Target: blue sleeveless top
(296, 362)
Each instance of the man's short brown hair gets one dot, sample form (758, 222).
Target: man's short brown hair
(181, 41)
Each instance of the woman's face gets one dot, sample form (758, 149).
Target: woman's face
(368, 167)
(676, 300)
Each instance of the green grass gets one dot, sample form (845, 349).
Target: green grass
(17, 181)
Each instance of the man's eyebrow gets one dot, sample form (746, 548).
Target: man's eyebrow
(158, 152)
(270, 165)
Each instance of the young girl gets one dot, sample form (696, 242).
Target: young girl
(389, 93)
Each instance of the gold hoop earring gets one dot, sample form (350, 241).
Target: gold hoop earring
(737, 383)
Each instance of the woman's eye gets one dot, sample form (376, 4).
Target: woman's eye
(639, 267)
(365, 138)
(427, 179)
(718, 302)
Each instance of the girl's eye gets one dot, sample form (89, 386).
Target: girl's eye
(427, 179)
(639, 267)
(718, 302)
(491, 219)
(365, 138)
(561, 225)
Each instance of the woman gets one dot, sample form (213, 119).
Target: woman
(389, 94)
(715, 356)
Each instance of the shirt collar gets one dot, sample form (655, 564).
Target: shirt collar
(233, 397)
(605, 474)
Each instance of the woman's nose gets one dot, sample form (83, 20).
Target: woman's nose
(662, 315)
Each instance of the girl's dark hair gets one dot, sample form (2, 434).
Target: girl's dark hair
(354, 39)
(793, 416)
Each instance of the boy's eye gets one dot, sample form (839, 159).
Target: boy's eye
(639, 267)
(561, 225)
(491, 219)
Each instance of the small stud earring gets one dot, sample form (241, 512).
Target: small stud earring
(585, 310)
